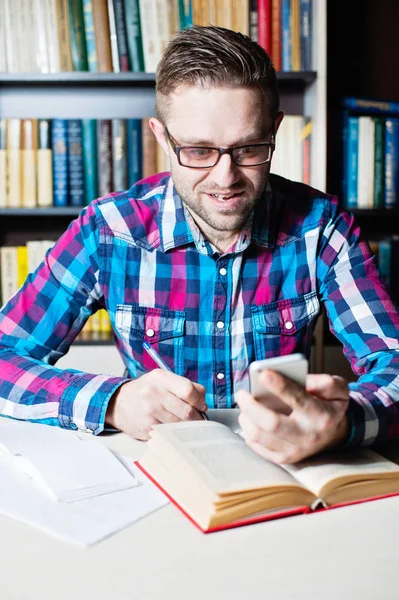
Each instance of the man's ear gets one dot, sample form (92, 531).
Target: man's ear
(277, 121)
(158, 130)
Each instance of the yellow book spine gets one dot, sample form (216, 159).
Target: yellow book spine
(295, 36)
(22, 262)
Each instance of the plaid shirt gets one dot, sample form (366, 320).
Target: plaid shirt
(140, 255)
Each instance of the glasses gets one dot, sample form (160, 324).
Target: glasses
(204, 157)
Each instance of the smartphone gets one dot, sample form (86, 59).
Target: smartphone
(293, 366)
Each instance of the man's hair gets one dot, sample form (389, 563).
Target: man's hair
(214, 56)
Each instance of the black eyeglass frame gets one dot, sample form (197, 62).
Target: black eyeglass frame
(177, 149)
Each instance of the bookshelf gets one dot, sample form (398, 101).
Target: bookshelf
(125, 95)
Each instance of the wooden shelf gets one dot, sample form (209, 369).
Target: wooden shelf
(62, 211)
(84, 78)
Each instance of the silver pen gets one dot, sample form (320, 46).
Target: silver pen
(162, 365)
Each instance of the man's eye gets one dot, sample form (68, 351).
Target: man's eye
(199, 152)
(249, 151)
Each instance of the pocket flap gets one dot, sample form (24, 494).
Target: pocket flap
(285, 317)
(150, 324)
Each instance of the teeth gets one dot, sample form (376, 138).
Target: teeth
(219, 197)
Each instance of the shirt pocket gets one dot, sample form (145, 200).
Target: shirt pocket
(162, 328)
(285, 326)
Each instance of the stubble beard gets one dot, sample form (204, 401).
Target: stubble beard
(225, 221)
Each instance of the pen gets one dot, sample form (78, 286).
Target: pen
(162, 365)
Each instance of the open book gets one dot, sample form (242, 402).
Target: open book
(219, 482)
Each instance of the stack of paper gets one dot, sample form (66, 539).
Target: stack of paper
(61, 483)
(68, 467)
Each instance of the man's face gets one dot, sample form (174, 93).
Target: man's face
(220, 198)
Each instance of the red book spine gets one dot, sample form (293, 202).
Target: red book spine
(265, 25)
(276, 34)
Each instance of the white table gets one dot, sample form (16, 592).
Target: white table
(341, 554)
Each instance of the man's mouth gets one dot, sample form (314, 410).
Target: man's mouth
(225, 197)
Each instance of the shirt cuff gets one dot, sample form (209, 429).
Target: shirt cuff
(84, 402)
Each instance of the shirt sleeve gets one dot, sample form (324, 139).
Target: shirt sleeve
(37, 327)
(363, 317)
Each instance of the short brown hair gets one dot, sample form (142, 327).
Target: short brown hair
(214, 56)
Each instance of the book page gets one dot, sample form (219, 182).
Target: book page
(316, 473)
(220, 457)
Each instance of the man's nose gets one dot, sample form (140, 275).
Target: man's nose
(225, 173)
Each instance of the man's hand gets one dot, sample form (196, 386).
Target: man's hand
(318, 419)
(156, 397)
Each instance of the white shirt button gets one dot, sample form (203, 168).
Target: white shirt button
(223, 271)
(150, 332)
(220, 376)
(288, 325)
(220, 325)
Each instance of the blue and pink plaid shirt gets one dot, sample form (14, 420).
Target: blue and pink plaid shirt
(140, 255)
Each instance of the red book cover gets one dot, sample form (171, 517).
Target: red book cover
(276, 34)
(265, 25)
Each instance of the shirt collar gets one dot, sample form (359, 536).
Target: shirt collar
(178, 228)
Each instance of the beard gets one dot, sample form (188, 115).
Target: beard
(223, 220)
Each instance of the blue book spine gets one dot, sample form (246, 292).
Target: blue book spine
(90, 172)
(286, 34)
(352, 161)
(384, 259)
(344, 181)
(75, 163)
(376, 107)
(391, 163)
(134, 152)
(91, 48)
(59, 141)
(306, 34)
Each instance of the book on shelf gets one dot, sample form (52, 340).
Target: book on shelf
(50, 36)
(13, 175)
(44, 164)
(218, 482)
(370, 175)
(3, 163)
(29, 145)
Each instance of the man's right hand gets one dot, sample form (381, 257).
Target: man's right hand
(156, 397)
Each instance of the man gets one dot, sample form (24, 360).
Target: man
(215, 266)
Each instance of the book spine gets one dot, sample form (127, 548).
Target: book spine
(352, 161)
(42, 57)
(384, 259)
(371, 106)
(90, 37)
(63, 35)
(162, 26)
(13, 163)
(119, 154)
(25, 44)
(3, 164)
(363, 163)
(44, 164)
(28, 162)
(240, 16)
(11, 40)
(112, 36)
(306, 150)
(134, 152)
(149, 150)
(173, 17)
(306, 34)
(59, 129)
(102, 35)
(276, 34)
(186, 13)
(22, 265)
(149, 34)
(77, 35)
(286, 35)
(133, 32)
(295, 36)
(9, 272)
(265, 25)
(104, 156)
(3, 55)
(253, 20)
(53, 50)
(121, 35)
(379, 161)
(75, 163)
(391, 163)
(89, 130)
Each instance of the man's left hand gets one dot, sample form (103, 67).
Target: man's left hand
(318, 419)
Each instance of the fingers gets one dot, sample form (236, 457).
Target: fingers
(176, 408)
(327, 387)
(190, 392)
